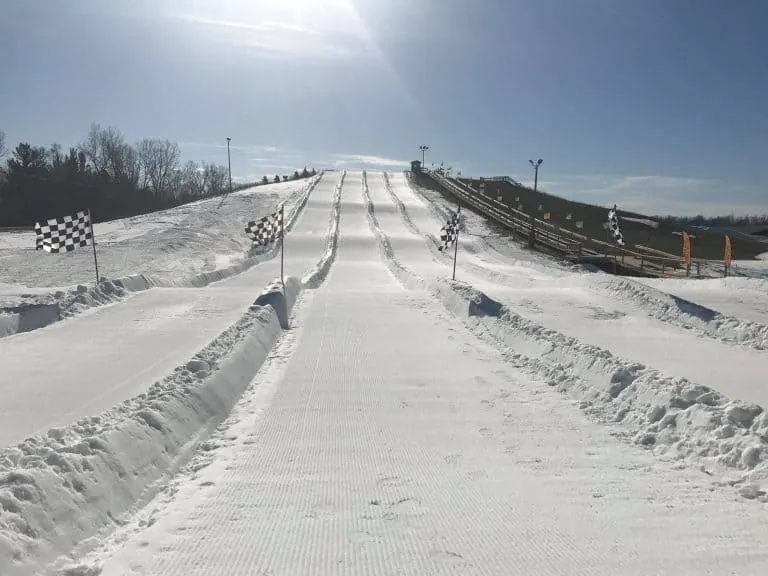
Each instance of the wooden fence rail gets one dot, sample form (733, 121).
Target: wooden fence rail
(569, 244)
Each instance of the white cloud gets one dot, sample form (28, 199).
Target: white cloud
(268, 159)
(331, 29)
(363, 161)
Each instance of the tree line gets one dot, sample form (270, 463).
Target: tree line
(106, 175)
(718, 221)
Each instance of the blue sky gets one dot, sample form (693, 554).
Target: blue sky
(658, 105)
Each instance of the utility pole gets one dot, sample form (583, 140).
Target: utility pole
(536, 172)
(532, 236)
(229, 161)
(423, 149)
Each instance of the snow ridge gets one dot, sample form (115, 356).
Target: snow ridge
(672, 416)
(400, 206)
(315, 278)
(687, 314)
(404, 276)
(59, 489)
(65, 304)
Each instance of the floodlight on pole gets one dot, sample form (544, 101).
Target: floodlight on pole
(536, 172)
(423, 149)
(229, 161)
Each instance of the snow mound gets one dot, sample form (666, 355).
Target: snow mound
(673, 416)
(686, 314)
(39, 310)
(60, 489)
(315, 278)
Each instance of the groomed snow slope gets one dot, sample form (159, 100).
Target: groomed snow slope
(687, 395)
(744, 298)
(191, 245)
(60, 490)
(170, 244)
(603, 310)
(384, 437)
(78, 368)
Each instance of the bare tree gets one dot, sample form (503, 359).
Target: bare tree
(159, 159)
(2, 144)
(111, 156)
(215, 179)
(191, 180)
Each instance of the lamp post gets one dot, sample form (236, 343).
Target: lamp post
(536, 172)
(532, 237)
(423, 149)
(229, 161)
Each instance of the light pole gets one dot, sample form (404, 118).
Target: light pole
(229, 161)
(536, 172)
(423, 149)
(532, 238)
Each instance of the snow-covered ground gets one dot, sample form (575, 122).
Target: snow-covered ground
(186, 246)
(529, 418)
(113, 353)
(745, 298)
(171, 244)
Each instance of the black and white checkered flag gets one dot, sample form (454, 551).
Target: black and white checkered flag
(613, 224)
(64, 234)
(450, 232)
(266, 230)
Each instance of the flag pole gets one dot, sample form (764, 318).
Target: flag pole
(282, 243)
(456, 245)
(93, 243)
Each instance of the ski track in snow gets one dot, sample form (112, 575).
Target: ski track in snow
(61, 489)
(432, 454)
(449, 450)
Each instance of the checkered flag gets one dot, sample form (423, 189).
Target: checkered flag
(64, 234)
(266, 230)
(450, 232)
(613, 225)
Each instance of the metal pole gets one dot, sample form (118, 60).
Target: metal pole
(423, 149)
(93, 243)
(229, 161)
(456, 242)
(536, 173)
(282, 245)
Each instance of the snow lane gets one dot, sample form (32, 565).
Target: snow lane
(82, 366)
(397, 443)
(568, 304)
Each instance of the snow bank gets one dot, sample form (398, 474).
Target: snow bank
(59, 489)
(37, 311)
(315, 278)
(686, 314)
(673, 416)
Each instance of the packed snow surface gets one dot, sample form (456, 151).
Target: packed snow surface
(529, 418)
(93, 361)
(188, 246)
(172, 244)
